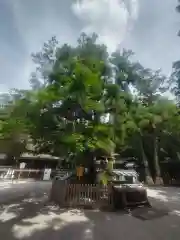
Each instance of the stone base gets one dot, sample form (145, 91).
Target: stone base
(158, 181)
(149, 180)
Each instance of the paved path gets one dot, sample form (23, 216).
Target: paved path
(10, 191)
(33, 218)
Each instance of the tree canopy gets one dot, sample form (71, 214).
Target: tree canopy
(81, 106)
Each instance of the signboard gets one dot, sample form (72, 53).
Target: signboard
(22, 165)
(47, 174)
(79, 171)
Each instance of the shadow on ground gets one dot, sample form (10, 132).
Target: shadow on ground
(165, 198)
(35, 218)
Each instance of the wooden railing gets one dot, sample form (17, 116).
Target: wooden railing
(15, 174)
(78, 195)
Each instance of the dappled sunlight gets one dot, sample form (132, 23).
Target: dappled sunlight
(165, 194)
(34, 200)
(55, 221)
(13, 211)
(88, 232)
(176, 212)
(36, 218)
(165, 198)
(157, 195)
(8, 214)
(12, 205)
(33, 216)
(37, 223)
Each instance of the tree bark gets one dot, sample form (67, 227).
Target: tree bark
(91, 165)
(148, 179)
(158, 179)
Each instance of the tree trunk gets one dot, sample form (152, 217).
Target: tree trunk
(10, 161)
(148, 179)
(91, 165)
(158, 179)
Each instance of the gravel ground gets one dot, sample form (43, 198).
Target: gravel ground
(32, 217)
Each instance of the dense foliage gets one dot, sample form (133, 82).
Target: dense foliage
(85, 103)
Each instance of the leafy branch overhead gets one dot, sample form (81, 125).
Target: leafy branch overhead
(86, 103)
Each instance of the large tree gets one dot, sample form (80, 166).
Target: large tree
(81, 106)
(78, 91)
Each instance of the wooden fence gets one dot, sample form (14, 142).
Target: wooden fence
(81, 195)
